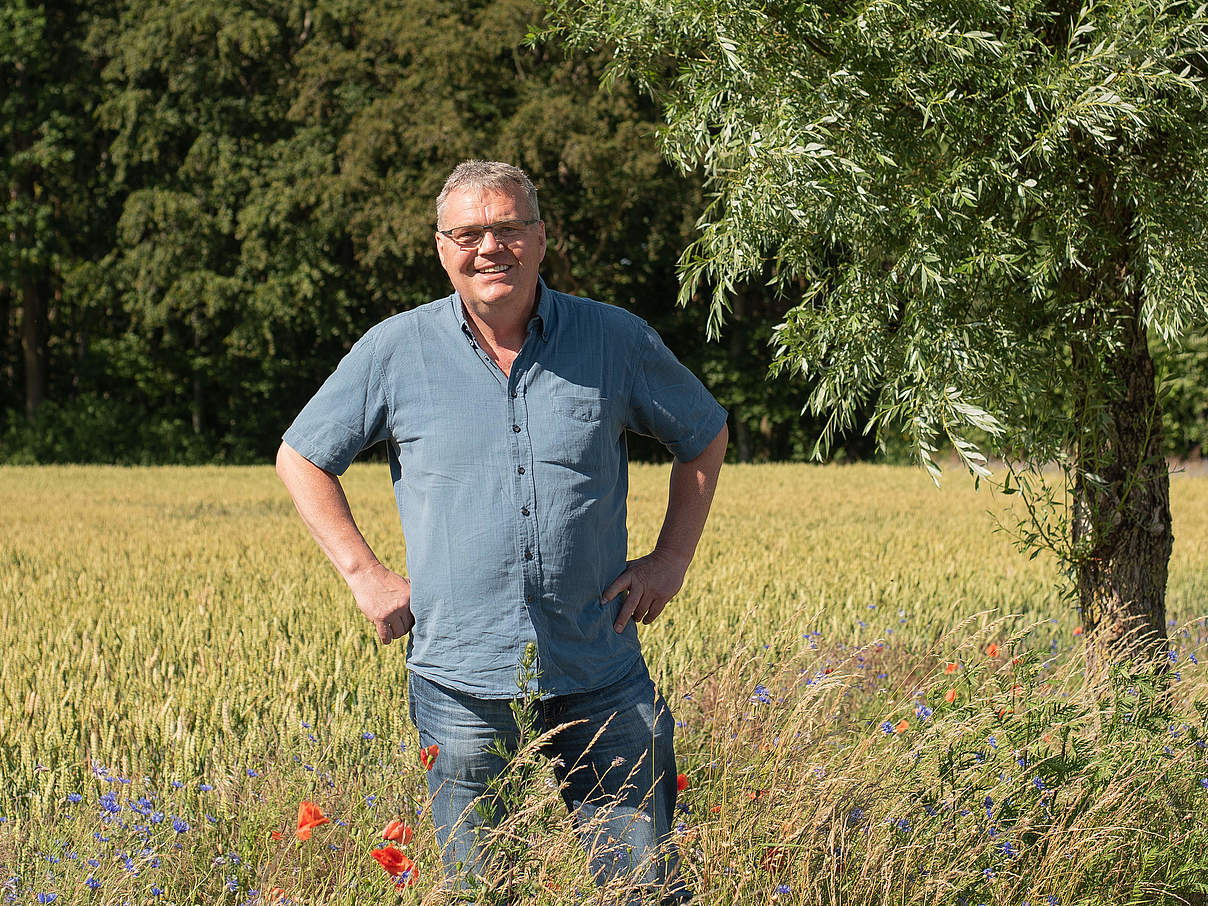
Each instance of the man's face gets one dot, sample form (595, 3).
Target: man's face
(493, 275)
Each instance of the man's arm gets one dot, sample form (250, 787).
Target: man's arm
(383, 596)
(655, 579)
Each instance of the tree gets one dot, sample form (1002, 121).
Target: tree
(50, 188)
(978, 215)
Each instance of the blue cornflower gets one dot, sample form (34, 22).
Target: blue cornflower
(92, 883)
(782, 888)
(993, 742)
(47, 897)
(761, 696)
(252, 773)
(204, 787)
(1204, 782)
(1038, 783)
(156, 891)
(923, 712)
(367, 736)
(179, 825)
(74, 797)
(887, 727)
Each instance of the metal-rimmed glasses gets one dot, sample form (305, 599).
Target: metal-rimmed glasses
(505, 232)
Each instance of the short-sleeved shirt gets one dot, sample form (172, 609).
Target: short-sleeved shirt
(511, 489)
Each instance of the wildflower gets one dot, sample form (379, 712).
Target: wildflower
(252, 773)
(310, 816)
(923, 712)
(951, 668)
(992, 650)
(715, 809)
(681, 782)
(398, 832)
(950, 696)
(1077, 630)
(773, 860)
(761, 696)
(275, 835)
(92, 883)
(395, 864)
(886, 727)
(179, 825)
(902, 726)
(47, 897)
(427, 756)
(276, 896)
(782, 888)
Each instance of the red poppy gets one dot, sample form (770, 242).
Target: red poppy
(395, 863)
(276, 896)
(681, 782)
(903, 725)
(952, 668)
(950, 696)
(427, 756)
(992, 650)
(275, 835)
(1077, 630)
(715, 809)
(398, 832)
(310, 816)
(773, 860)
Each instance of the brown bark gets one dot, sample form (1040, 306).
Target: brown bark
(33, 344)
(1122, 526)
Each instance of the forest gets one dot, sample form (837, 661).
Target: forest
(207, 202)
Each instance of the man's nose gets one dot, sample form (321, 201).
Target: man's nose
(489, 243)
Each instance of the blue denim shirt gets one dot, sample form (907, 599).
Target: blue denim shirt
(511, 489)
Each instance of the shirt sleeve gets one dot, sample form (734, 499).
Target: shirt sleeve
(347, 415)
(669, 403)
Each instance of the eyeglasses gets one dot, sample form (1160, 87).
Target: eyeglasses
(505, 232)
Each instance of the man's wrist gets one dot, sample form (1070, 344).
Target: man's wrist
(675, 558)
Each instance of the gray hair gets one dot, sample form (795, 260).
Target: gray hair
(484, 175)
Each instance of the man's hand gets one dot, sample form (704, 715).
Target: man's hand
(385, 599)
(651, 581)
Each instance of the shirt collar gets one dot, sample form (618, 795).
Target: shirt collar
(543, 318)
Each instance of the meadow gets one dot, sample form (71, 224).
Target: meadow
(879, 700)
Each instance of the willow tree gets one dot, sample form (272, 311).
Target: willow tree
(979, 215)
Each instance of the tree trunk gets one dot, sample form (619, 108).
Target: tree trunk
(1121, 526)
(33, 343)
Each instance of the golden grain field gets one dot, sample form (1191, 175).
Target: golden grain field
(174, 640)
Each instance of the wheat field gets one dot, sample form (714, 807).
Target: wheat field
(878, 700)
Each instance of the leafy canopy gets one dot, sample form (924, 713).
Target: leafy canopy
(956, 199)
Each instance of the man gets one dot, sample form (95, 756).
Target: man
(504, 407)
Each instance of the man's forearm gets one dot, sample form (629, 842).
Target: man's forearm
(689, 498)
(319, 498)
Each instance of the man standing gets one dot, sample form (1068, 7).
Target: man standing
(504, 407)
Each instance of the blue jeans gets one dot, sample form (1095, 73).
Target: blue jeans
(620, 789)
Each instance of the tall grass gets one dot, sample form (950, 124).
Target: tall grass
(182, 668)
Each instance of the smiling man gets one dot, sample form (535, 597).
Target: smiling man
(504, 407)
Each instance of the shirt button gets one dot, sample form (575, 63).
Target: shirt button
(528, 555)
(515, 394)
(515, 429)
(520, 470)
(524, 511)
(529, 598)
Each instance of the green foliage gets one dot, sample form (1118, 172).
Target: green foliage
(949, 197)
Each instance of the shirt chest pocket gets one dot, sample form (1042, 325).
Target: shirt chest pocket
(581, 432)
